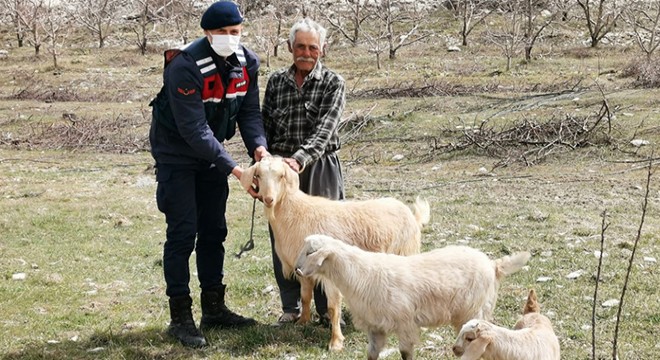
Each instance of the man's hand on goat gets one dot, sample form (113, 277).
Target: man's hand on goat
(260, 153)
(293, 164)
(254, 189)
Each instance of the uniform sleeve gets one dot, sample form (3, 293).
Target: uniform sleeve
(329, 115)
(184, 84)
(250, 122)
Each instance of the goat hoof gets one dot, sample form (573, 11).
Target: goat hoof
(336, 346)
(303, 320)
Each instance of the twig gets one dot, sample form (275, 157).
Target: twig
(603, 227)
(630, 263)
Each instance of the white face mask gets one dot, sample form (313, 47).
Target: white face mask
(225, 45)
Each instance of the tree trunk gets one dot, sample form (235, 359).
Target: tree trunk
(392, 54)
(528, 53)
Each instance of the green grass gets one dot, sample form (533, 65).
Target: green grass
(78, 213)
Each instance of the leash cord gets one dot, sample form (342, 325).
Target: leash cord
(249, 245)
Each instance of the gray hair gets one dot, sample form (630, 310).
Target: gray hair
(308, 25)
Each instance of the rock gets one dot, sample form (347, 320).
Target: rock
(19, 276)
(597, 254)
(575, 274)
(639, 142)
(610, 303)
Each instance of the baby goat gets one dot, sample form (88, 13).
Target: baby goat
(532, 338)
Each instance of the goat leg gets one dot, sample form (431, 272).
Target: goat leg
(376, 343)
(334, 311)
(408, 337)
(306, 293)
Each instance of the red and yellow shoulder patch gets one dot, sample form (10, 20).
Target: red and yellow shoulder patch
(186, 92)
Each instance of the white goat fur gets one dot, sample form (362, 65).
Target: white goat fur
(531, 339)
(399, 294)
(383, 225)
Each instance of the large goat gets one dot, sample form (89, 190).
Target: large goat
(532, 338)
(399, 294)
(383, 225)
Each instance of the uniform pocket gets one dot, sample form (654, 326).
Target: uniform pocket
(163, 175)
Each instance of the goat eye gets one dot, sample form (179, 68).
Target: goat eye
(469, 338)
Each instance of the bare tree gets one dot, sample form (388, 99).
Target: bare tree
(471, 13)
(251, 8)
(376, 40)
(644, 18)
(539, 14)
(400, 23)
(97, 16)
(31, 17)
(185, 17)
(56, 28)
(510, 35)
(268, 33)
(143, 22)
(13, 10)
(347, 17)
(600, 17)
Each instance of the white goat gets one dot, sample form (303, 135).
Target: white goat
(383, 225)
(532, 338)
(389, 293)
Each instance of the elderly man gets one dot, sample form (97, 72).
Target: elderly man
(301, 110)
(209, 87)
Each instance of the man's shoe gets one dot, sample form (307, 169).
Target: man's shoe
(324, 320)
(182, 327)
(215, 315)
(287, 318)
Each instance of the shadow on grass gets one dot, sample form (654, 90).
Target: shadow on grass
(266, 340)
(149, 343)
(154, 343)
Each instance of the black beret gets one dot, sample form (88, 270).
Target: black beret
(221, 14)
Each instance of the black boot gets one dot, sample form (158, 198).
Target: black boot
(182, 327)
(215, 314)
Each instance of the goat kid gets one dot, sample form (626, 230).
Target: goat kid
(532, 338)
(389, 293)
(382, 225)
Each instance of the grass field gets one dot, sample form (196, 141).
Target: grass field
(81, 238)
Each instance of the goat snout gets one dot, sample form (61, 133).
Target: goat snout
(268, 201)
(458, 350)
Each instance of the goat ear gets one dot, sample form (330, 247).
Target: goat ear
(318, 257)
(532, 304)
(476, 348)
(247, 178)
(291, 177)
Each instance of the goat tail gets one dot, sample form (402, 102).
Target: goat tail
(510, 264)
(422, 211)
(532, 304)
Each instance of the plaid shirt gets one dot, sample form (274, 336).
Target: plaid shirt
(302, 123)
